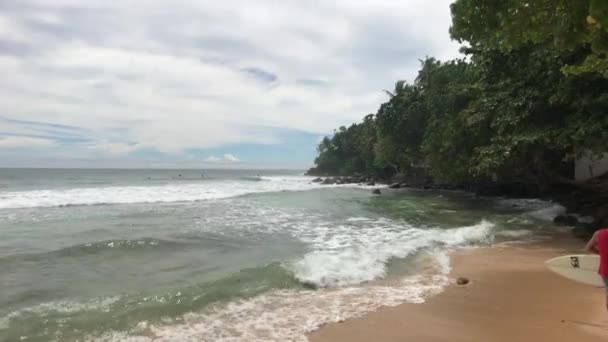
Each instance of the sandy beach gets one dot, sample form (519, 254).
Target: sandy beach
(510, 297)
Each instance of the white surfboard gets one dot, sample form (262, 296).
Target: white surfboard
(582, 268)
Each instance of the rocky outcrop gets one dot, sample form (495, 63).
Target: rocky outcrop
(345, 180)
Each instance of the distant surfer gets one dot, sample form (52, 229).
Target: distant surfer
(599, 244)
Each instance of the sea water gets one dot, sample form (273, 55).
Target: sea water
(225, 255)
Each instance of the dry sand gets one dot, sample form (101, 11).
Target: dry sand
(511, 297)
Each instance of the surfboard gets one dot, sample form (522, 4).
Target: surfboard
(581, 268)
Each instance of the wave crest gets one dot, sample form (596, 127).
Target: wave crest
(156, 193)
(348, 258)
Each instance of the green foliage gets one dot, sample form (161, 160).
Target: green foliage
(350, 150)
(509, 110)
(559, 24)
(534, 111)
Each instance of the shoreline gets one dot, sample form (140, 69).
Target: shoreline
(510, 297)
(578, 202)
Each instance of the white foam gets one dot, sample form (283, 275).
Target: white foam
(157, 193)
(584, 219)
(539, 209)
(288, 315)
(345, 256)
(343, 252)
(514, 233)
(357, 219)
(66, 306)
(524, 203)
(549, 213)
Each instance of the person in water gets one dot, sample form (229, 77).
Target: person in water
(599, 244)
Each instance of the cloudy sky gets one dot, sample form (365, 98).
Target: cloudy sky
(197, 83)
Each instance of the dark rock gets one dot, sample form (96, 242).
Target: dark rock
(376, 192)
(395, 186)
(371, 183)
(310, 285)
(329, 181)
(512, 189)
(489, 190)
(313, 171)
(565, 220)
(462, 281)
(317, 180)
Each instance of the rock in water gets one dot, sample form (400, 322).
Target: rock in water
(310, 285)
(395, 186)
(462, 281)
(565, 220)
(372, 183)
(376, 192)
(317, 180)
(329, 181)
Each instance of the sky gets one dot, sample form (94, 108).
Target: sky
(197, 83)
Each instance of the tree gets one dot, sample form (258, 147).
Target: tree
(564, 25)
(508, 111)
(450, 140)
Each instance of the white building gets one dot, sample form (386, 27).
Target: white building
(588, 167)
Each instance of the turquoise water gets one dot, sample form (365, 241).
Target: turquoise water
(234, 255)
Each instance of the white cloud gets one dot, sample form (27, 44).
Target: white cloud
(196, 74)
(19, 142)
(227, 158)
(231, 158)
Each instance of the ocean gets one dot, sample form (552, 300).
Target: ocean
(226, 255)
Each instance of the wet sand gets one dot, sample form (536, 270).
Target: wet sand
(510, 297)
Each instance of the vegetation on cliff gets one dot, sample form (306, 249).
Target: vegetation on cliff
(530, 94)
